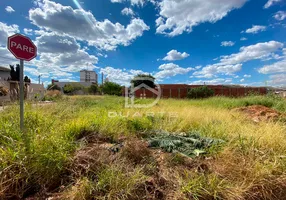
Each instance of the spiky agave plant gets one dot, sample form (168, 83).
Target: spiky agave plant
(190, 144)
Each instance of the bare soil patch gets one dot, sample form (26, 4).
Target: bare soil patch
(161, 168)
(258, 113)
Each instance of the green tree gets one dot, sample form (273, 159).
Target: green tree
(93, 89)
(112, 88)
(200, 92)
(138, 80)
(15, 74)
(27, 80)
(53, 87)
(72, 87)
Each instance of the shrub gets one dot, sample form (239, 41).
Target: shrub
(112, 88)
(52, 95)
(72, 87)
(53, 87)
(200, 92)
(93, 89)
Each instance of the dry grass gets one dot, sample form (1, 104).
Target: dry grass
(69, 156)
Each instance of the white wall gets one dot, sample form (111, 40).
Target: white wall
(33, 90)
(4, 75)
(36, 90)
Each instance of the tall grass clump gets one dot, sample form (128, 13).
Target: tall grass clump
(270, 101)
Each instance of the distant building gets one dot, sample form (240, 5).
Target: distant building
(62, 84)
(4, 73)
(88, 76)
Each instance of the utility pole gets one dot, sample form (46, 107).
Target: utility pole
(39, 78)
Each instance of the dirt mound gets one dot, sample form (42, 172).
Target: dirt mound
(259, 113)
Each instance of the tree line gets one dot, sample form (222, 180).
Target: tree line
(111, 88)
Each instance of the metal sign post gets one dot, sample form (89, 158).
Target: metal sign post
(22, 48)
(22, 95)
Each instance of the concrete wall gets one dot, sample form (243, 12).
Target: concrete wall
(4, 75)
(181, 91)
(62, 84)
(34, 91)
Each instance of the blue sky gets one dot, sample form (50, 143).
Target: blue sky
(186, 41)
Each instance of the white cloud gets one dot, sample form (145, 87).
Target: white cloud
(134, 2)
(171, 69)
(247, 76)
(59, 55)
(227, 43)
(6, 58)
(270, 3)
(211, 70)
(5, 31)
(36, 72)
(277, 67)
(117, 1)
(230, 64)
(57, 44)
(278, 79)
(252, 52)
(242, 80)
(83, 26)
(28, 31)
(69, 62)
(127, 11)
(9, 9)
(179, 16)
(175, 55)
(217, 81)
(138, 2)
(280, 15)
(243, 38)
(255, 29)
(120, 76)
(102, 55)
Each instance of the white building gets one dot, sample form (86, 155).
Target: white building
(88, 76)
(4, 73)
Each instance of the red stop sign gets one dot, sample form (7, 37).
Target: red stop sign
(22, 47)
